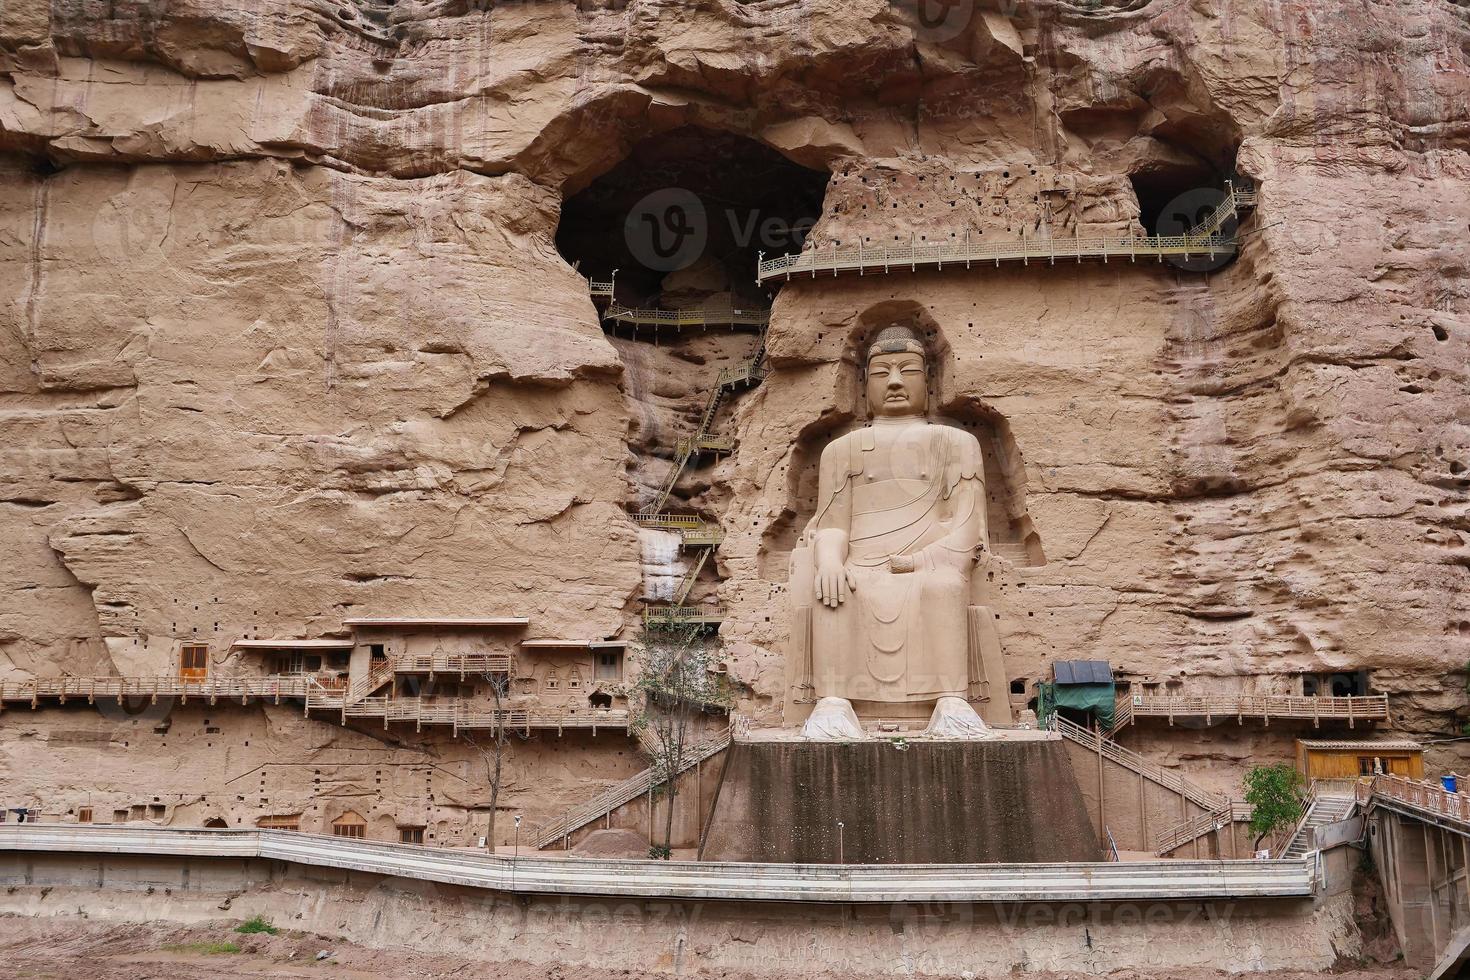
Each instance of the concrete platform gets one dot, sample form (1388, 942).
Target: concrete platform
(1001, 800)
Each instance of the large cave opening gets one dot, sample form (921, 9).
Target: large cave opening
(669, 240)
(683, 218)
(1178, 182)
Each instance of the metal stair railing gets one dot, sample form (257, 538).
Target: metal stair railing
(687, 318)
(1129, 759)
(1187, 831)
(1202, 239)
(692, 576)
(629, 789)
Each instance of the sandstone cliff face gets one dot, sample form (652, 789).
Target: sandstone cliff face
(288, 335)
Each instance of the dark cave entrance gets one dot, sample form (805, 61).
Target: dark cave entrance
(684, 217)
(1183, 177)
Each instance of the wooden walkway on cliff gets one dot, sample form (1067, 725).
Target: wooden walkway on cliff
(680, 319)
(1203, 240)
(356, 701)
(1220, 707)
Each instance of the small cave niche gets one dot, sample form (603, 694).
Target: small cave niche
(1011, 533)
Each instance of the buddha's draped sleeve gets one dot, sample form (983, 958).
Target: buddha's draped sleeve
(841, 461)
(963, 460)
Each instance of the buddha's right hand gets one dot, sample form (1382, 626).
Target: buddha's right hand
(833, 582)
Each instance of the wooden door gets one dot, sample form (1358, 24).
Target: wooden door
(193, 662)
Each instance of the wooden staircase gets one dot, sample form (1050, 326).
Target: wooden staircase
(629, 789)
(1128, 759)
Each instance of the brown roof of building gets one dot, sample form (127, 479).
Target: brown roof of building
(1350, 745)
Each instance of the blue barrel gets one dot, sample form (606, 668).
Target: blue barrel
(1449, 783)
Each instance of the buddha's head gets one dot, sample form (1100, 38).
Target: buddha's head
(898, 374)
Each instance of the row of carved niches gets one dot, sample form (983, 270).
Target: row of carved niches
(879, 205)
(1012, 535)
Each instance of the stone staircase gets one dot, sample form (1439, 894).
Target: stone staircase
(1323, 809)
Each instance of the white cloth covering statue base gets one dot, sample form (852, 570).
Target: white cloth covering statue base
(953, 718)
(833, 720)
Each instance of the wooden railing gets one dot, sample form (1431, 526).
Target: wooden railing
(1372, 707)
(61, 689)
(460, 714)
(1196, 794)
(1428, 799)
(380, 672)
(454, 663)
(600, 287)
(665, 615)
(618, 794)
(1187, 831)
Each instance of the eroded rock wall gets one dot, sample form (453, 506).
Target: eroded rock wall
(287, 334)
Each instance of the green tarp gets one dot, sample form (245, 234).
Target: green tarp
(1098, 699)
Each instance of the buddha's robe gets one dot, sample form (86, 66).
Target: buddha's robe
(915, 490)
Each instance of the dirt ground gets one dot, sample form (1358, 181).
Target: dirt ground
(73, 949)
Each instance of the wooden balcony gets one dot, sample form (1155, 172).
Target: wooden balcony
(89, 689)
(463, 664)
(1220, 707)
(461, 714)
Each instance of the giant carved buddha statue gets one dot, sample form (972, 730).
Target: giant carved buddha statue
(881, 582)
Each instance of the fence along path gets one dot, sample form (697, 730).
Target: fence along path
(1204, 239)
(1128, 881)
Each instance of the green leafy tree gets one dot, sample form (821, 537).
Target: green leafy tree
(1275, 794)
(677, 687)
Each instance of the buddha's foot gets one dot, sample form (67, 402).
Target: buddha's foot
(833, 720)
(954, 718)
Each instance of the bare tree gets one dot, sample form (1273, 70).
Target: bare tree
(492, 751)
(677, 687)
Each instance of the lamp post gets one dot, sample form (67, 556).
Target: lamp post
(516, 854)
(840, 843)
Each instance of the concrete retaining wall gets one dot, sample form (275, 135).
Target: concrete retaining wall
(683, 936)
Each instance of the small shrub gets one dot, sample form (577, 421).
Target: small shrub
(209, 949)
(660, 853)
(256, 925)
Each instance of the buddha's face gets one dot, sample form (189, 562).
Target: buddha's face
(897, 384)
